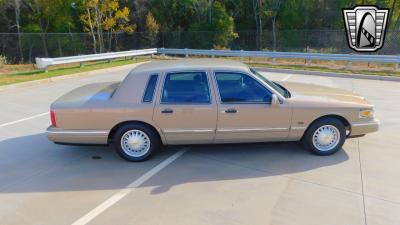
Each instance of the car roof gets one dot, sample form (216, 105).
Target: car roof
(185, 64)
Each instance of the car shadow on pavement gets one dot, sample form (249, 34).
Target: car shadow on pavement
(34, 164)
(206, 163)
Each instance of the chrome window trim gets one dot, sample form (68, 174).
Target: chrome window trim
(185, 103)
(244, 73)
(154, 91)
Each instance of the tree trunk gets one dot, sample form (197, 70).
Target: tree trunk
(72, 39)
(17, 17)
(42, 30)
(273, 33)
(30, 51)
(43, 37)
(60, 53)
(260, 24)
(397, 25)
(210, 2)
(92, 30)
(109, 34)
(255, 12)
(99, 29)
(116, 42)
(391, 14)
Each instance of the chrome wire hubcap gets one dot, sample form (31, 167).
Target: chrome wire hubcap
(326, 138)
(135, 143)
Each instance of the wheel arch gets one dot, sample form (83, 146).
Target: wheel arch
(345, 122)
(115, 128)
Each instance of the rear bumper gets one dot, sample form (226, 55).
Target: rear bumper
(358, 129)
(77, 136)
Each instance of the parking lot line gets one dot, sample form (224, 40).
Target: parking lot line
(287, 77)
(24, 119)
(129, 188)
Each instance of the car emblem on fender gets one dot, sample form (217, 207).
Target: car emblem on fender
(365, 27)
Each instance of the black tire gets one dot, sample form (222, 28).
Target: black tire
(307, 139)
(151, 134)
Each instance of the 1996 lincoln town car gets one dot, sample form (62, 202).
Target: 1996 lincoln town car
(203, 101)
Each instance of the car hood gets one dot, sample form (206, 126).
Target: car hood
(323, 94)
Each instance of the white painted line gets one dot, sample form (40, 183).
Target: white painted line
(286, 78)
(24, 119)
(123, 192)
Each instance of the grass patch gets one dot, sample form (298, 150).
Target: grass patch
(63, 70)
(324, 69)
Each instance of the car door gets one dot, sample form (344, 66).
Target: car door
(186, 111)
(245, 112)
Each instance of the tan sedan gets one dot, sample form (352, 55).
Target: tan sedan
(203, 101)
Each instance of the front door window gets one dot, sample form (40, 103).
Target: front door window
(241, 88)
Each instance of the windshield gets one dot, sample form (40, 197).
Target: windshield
(279, 88)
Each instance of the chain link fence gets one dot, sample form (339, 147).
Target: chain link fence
(70, 44)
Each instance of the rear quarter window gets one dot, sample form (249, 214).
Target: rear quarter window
(150, 88)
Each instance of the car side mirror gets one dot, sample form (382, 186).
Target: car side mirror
(274, 100)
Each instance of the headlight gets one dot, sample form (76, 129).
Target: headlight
(366, 113)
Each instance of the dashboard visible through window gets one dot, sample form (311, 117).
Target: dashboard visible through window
(279, 88)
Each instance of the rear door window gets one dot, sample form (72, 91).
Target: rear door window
(186, 87)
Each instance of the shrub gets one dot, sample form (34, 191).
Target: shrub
(3, 60)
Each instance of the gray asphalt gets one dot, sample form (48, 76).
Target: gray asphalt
(275, 183)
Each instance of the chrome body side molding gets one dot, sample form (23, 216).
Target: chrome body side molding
(253, 129)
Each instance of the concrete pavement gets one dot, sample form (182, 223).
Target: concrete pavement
(275, 183)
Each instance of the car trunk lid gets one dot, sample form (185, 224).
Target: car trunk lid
(85, 94)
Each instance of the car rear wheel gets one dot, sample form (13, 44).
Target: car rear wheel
(325, 136)
(136, 142)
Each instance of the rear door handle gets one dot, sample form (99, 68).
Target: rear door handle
(167, 111)
(231, 111)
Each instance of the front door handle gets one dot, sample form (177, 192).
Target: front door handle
(231, 111)
(167, 111)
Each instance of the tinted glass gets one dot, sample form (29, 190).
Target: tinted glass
(149, 92)
(186, 87)
(237, 87)
(272, 84)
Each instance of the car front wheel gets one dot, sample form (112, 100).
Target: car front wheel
(136, 142)
(325, 136)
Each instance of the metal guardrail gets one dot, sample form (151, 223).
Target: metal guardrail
(286, 55)
(44, 63)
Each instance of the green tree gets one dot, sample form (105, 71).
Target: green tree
(45, 16)
(173, 15)
(221, 27)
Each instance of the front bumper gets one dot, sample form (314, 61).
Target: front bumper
(358, 129)
(59, 135)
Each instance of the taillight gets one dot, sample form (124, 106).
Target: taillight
(53, 118)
